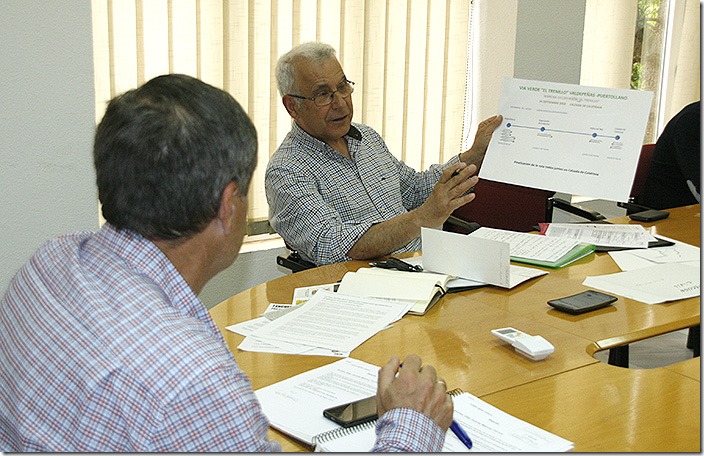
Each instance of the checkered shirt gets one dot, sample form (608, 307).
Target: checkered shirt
(104, 347)
(321, 202)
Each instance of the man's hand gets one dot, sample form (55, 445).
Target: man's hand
(416, 387)
(448, 194)
(475, 154)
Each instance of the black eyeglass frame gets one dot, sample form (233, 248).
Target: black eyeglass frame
(331, 95)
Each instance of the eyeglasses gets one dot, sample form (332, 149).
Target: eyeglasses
(345, 90)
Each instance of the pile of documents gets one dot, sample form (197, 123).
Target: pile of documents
(327, 324)
(653, 275)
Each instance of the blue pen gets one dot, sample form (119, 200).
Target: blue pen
(459, 432)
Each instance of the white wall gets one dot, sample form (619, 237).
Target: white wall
(46, 126)
(549, 35)
(47, 184)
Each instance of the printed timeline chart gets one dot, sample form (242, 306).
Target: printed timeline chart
(568, 138)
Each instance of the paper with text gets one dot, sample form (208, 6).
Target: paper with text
(491, 430)
(633, 236)
(681, 252)
(332, 320)
(527, 245)
(651, 285)
(252, 344)
(568, 138)
(295, 405)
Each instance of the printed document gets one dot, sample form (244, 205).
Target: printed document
(295, 405)
(681, 252)
(527, 245)
(252, 344)
(603, 235)
(651, 285)
(568, 138)
(332, 321)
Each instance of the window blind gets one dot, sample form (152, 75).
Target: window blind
(407, 58)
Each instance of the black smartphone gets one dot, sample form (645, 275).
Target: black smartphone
(650, 215)
(583, 302)
(354, 413)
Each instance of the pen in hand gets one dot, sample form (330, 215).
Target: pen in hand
(461, 434)
(456, 429)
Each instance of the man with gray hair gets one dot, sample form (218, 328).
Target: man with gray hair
(335, 191)
(104, 344)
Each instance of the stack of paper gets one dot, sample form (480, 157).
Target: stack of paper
(653, 275)
(601, 234)
(549, 252)
(330, 324)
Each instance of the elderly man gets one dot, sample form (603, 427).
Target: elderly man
(335, 192)
(104, 345)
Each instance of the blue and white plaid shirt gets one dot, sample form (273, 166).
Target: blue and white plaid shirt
(105, 347)
(322, 203)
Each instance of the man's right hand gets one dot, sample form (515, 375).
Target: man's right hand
(412, 385)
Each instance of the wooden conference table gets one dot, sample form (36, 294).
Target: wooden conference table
(597, 406)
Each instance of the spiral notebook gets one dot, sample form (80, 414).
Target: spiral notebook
(489, 428)
(295, 406)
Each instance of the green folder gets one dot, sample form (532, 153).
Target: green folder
(578, 251)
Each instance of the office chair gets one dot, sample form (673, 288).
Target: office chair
(293, 261)
(512, 207)
(516, 208)
(619, 356)
(635, 200)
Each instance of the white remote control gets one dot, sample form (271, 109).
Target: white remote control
(533, 347)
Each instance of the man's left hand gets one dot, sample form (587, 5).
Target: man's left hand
(475, 155)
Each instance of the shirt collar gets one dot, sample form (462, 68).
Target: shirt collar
(145, 257)
(299, 132)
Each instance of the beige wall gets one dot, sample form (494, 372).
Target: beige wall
(46, 126)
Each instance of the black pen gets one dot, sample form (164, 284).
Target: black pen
(395, 263)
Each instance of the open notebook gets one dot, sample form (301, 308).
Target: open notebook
(295, 406)
(489, 428)
(424, 289)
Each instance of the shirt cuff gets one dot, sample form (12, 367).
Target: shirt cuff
(454, 160)
(408, 430)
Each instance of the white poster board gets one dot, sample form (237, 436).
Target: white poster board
(568, 138)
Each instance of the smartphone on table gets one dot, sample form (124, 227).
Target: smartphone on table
(583, 302)
(353, 413)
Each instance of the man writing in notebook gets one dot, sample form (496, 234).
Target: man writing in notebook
(334, 189)
(104, 344)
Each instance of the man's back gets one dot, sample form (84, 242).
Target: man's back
(105, 351)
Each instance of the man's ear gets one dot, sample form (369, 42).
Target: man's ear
(226, 211)
(291, 105)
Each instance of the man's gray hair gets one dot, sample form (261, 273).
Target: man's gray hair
(285, 68)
